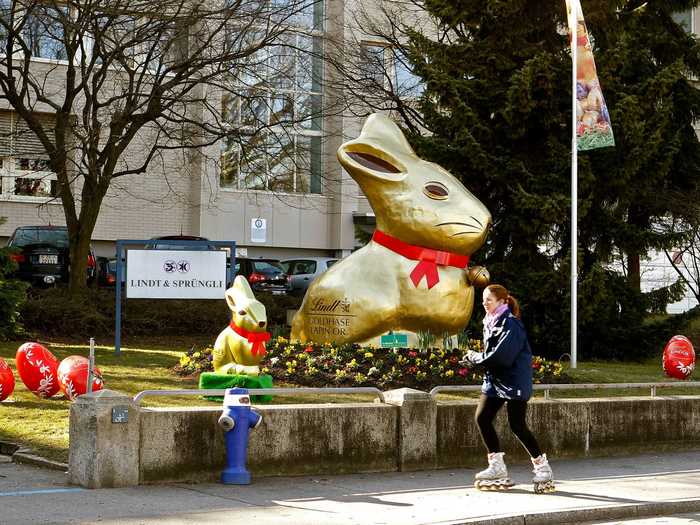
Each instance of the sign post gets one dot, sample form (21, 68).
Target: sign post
(258, 230)
(392, 340)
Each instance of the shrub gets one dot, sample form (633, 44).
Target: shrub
(52, 312)
(354, 365)
(12, 295)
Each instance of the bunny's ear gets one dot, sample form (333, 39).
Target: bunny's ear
(239, 291)
(381, 128)
(231, 298)
(375, 153)
(240, 284)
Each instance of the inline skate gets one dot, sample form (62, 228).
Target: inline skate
(542, 481)
(495, 477)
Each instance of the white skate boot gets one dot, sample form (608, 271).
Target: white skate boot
(495, 477)
(543, 475)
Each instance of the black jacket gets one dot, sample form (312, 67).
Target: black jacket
(508, 360)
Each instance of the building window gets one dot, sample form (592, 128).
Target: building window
(24, 167)
(373, 63)
(388, 68)
(26, 177)
(276, 117)
(43, 32)
(684, 19)
(406, 83)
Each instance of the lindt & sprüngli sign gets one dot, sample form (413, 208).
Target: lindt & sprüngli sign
(175, 274)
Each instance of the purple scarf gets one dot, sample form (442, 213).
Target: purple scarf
(490, 319)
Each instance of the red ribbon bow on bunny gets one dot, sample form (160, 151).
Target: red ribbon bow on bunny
(428, 259)
(257, 339)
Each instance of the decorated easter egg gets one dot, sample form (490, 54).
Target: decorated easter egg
(37, 369)
(73, 377)
(679, 357)
(7, 380)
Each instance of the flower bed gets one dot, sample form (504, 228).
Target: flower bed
(353, 365)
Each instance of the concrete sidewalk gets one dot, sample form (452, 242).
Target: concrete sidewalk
(587, 490)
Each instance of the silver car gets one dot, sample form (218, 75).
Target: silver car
(302, 271)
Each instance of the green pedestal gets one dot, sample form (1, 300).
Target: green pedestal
(212, 380)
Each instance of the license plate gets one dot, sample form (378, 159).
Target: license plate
(48, 259)
(277, 292)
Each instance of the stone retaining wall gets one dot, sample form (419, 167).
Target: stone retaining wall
(408, 432)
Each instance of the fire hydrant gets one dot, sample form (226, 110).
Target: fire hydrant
(237, 419)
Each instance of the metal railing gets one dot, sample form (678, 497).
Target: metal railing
(263, 391)
(575, 386)
(433, 393)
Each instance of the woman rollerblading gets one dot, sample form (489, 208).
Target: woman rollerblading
(507, 359)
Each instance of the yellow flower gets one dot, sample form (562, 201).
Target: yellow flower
(449, 373)
(196, 355)
(281, 339)
(369, 355)
(184, 360)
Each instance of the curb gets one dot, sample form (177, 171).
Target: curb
(636, 510)
(24, 456)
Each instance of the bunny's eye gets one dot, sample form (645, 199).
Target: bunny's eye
(242, 312)
(435, 190)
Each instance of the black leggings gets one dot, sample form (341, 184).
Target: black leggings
(486, 413)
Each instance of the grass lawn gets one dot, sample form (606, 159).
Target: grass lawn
(42, 424)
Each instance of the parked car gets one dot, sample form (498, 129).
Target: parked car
(42, 253)
(302, 271)
(106, 271)
(264, 275)
(155, 245)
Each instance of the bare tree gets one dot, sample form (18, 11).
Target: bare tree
(127, 81)
(685, 258)
(372, 59)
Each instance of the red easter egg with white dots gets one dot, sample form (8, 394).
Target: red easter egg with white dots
(73, 376)
(37, 368)
(7, 380)
(679, 357)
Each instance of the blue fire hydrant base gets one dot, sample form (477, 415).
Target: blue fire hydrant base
(235, 478)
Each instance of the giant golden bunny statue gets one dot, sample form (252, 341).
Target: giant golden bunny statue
(413, 274)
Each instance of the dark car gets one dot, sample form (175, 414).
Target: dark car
(42, 254)
(106, 271)
(264, 275)
(154, 243)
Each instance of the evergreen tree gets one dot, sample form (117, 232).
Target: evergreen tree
(497, 102)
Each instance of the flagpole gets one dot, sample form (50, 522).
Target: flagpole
(574, 186)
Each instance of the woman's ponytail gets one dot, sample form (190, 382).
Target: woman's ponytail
(514, 306)
(502, 295)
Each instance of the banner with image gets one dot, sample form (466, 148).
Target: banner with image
(593, 129)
